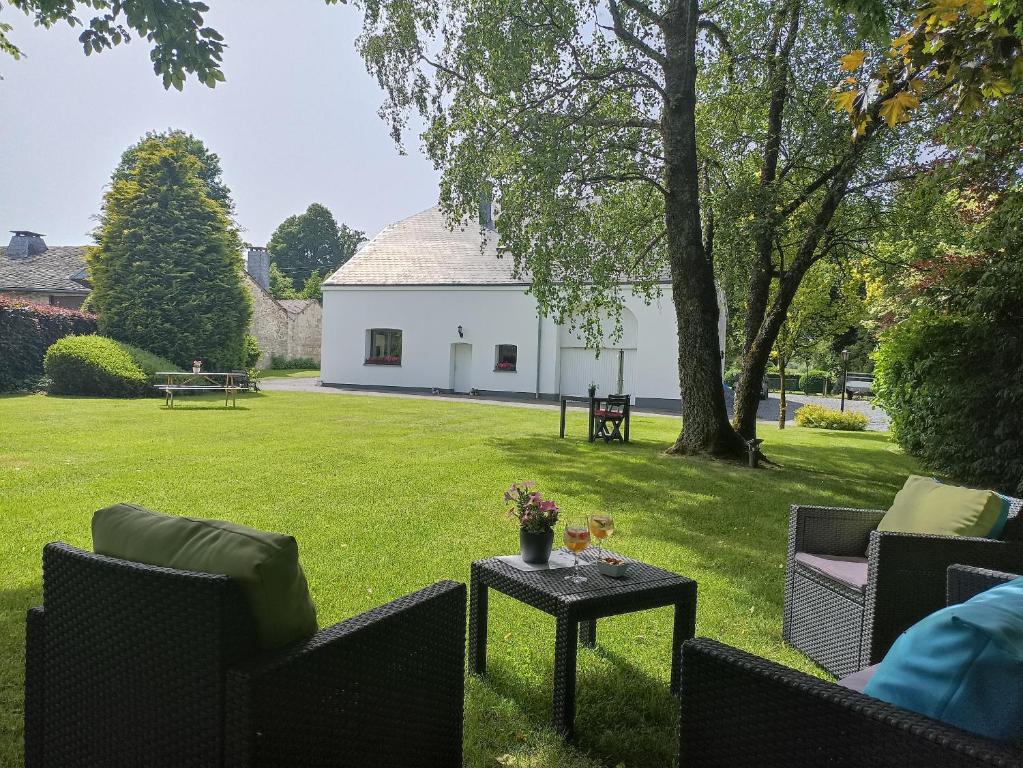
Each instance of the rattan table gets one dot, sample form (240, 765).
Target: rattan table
(576, 606)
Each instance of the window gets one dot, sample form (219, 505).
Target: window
(506, 357)
(383, 346)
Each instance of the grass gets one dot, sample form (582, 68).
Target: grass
(386, 495)
(290, 373)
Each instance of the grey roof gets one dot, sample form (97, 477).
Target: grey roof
(296, 306)
(50, 271)
(421, 250)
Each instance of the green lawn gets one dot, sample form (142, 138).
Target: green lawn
(290, 373)
(386, 495)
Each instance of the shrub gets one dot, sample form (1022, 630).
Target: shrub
(252, 351)
(953, 386)
(815, 381)
(26, 332)
(827, 418)
(292, 363)
(731, 376)
(94, 365)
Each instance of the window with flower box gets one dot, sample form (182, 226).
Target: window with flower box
(506, 356)
(383, 346)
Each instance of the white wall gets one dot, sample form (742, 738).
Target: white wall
(429, 319)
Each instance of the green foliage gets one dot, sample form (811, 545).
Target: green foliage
(292, 363)
(26, 331)
(209, 172)
(167, 269)
(953, 386)
(252, 351)
(313, 288)
(828, 418)
(94, 365)
(182, 45)
(281, 286)
(311, 243)
(816, 381)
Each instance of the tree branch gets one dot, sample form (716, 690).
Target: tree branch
(628, 37)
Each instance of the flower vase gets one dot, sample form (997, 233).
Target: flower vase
(536, 547)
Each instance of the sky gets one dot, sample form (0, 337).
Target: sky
(294, 123)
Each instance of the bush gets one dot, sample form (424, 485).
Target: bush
(815, 382)
(26, 331)
(94, 365)
(827, 418)
(292, 363)
(953, 386)
(731, 376)
(252, 351)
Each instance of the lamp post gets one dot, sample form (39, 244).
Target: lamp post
(845, 375)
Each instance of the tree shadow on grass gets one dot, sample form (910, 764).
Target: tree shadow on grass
(623, 714)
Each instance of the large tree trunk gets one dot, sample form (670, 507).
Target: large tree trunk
(705, 426)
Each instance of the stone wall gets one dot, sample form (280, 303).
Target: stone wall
(269, 324)
(304, 331)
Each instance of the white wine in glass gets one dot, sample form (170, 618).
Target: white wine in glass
(601, 526)
(577, 538)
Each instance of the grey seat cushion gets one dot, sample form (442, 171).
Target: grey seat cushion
(857, 681)
(851, 571)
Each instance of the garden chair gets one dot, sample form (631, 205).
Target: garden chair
(136, 665)
(609, 417)
(844, 610)
(742, 710)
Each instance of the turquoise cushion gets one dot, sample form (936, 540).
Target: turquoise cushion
(962, 665)
(265, 565)
(1003, 518)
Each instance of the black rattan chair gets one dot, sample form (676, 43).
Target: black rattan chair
(844, 610)
(741, 710)
(134, 665)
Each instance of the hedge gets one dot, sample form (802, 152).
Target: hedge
(94, 365)
(26, 331)
(953, 386)
(827, 418)
(815, 382)
(293, 363)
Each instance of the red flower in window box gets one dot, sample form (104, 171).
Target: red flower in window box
(384, 360)
(504, 365)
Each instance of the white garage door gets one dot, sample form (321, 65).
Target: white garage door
(613, 372)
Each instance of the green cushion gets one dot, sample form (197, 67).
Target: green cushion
(265, 565)
(926, 506)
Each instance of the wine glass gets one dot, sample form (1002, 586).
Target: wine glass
(601, 526)
(577, 538)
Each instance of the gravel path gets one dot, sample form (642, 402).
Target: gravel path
(768, 411)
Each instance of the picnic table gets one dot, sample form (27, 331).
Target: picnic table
(228, 382)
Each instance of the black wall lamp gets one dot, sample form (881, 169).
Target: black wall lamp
(460, 334)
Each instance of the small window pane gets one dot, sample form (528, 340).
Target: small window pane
(507, 357)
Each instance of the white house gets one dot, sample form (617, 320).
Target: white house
(421, 307)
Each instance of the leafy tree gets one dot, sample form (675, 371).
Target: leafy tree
(579, 118)
(182, 45)
(166, 269)
(281, 286)
(210, 172)
(313, 288)
(310, 242)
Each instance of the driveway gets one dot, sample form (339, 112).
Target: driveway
(877, 419)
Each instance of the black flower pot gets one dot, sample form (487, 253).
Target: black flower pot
(536, 547)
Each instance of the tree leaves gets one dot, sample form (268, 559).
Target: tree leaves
(896, 109)
(853, 60)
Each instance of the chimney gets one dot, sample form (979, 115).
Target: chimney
(25, 244)
(257, 264)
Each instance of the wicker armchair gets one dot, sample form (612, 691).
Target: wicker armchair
(846, 623)
(740, 710)
(134, 665)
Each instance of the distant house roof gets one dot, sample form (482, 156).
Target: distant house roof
(421, 250)
(58, 269)
(296, 306)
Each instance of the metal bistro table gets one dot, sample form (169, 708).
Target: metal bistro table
(227, 382)
(576, 606)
